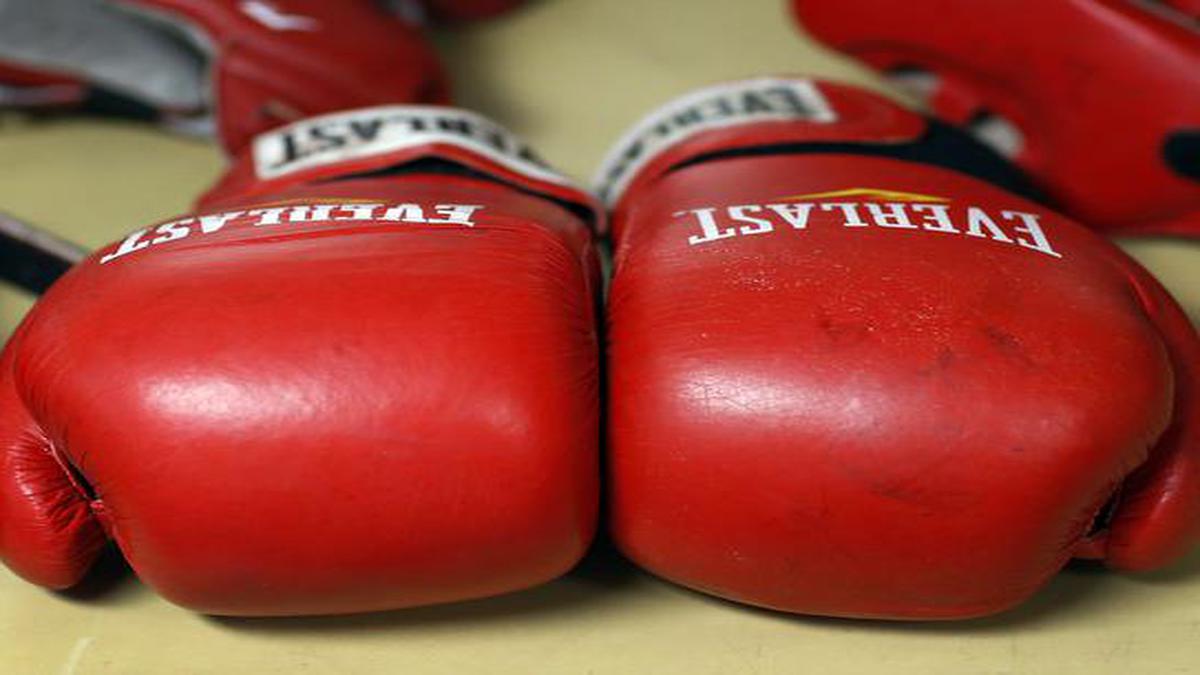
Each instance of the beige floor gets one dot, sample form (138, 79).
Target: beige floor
(569, 75)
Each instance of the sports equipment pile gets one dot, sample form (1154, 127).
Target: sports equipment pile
(857, 360)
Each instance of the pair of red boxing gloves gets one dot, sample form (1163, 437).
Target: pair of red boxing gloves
(852, 369)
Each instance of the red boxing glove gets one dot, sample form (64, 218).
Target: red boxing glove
(1098, 99)
(256, 64)
(852, 376)
(362, 376)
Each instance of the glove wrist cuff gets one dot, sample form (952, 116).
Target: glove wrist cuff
(650, 143)
(384, 137)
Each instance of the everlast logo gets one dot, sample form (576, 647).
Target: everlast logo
(766, 99)
(361, 133)
(868, 208)
(295, 214)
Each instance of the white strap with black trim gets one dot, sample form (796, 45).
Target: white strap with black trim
(722, 105)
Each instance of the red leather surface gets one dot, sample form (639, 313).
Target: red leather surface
(341, 55)
(893, 422)
(21, 87)
(1096, 88)
(11, 74)
(315, 417)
